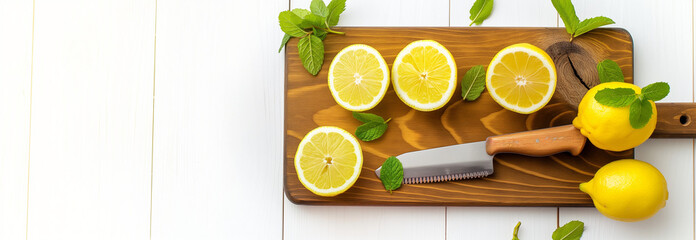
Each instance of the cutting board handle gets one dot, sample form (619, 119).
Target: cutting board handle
(538, 143)
(675, 120)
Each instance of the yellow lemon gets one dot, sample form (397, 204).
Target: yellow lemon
(358, 77)
(328, 161)
(424, 75)
(607, 127)
(627, 190)
(521, 78)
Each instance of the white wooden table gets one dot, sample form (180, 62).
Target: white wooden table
(144, 119)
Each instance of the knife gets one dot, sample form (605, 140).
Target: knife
(475, 160)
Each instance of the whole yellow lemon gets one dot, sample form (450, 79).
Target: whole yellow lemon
(627, 190)
(607, 127)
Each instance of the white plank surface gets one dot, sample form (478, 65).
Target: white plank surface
(663, 51)
(348, 223)
(507, 13)
(498, 222)
(214, 137)
(218, 121)
(91, 120)
(320, 222)
(432, 13)
(15, 96)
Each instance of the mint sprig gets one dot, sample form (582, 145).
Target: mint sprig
(640, 110)
(473, 83)
(392, 174)
(514, 231)
(480, 11)
(609, 71)
(570, 231)
(312, 27)
(573, 24)
(373, 126)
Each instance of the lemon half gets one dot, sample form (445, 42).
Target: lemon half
(358, 77)
(521, 78)
(424, 75)
(328, 161)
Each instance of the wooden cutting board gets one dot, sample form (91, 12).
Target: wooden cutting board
(518, 180)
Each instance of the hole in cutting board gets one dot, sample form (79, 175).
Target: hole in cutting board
(684, 120)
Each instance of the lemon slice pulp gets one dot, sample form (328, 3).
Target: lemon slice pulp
(328, 161)
(424, 75)
(358, 77)
(521, 78)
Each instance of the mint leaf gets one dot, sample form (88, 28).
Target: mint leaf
(514, 232)
(640, 113)
(335, 7)
(315, 20)
(566, 10)
(367, 117)
(473, 83)
(291, 24)
(570, 231)
(319, 8)
(374, 126)
(480, 11)
(656, 91)
(286, 38)
(391, 174)
(311, 51)
(591, 23)
(609, 71)
(572, 23)
(370, 131)
(321, 34)
(301, 12)
(615, 97)
(312, 27)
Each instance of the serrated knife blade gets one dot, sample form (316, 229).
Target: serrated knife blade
(475, 160)
(455, 162)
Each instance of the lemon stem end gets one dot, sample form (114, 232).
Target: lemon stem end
(585, 187)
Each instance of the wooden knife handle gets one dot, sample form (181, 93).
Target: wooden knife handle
(538, 143)
(675, 120)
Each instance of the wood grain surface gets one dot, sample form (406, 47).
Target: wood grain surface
(675, 120)
(518, 180)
